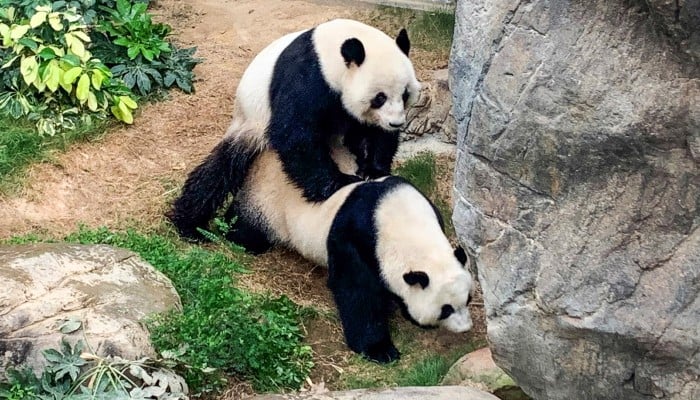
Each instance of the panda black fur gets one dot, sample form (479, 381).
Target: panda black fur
(340, 78)
(382, 241)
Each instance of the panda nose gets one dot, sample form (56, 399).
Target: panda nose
(396, 125)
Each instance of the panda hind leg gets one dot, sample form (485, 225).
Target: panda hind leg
(363, 305)
(245, 232)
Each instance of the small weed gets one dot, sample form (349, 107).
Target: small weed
(75, 373)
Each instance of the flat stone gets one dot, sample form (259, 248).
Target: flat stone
(478, 370)
(399, 393)
(109, 290)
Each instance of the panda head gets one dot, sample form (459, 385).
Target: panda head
(371, 71)
(439, 299)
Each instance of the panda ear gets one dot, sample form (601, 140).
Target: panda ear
(403, 42)
(461, 255)
(417, 277)
(353, 52)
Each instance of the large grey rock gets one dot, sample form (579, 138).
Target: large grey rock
(109, 290)
(399, 393)
(578, 190)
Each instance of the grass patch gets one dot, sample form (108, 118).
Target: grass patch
(419, 366)
(422, 170)
(426, 372)
(430, 32)
(21, 145)
(252, 336)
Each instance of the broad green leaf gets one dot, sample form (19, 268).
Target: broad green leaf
(28, 43)
(128, 101)
(148, 54)
(53, 75)
(125, 112)
(92, 101)
(29, 69)
(38, 19)
(44, 9)
(81, 35)
(4, 29)
(81, 92)
(132, 52)
(72, 60)
(76, 45)
(39, 84)
(47, 53)
(117, 112)
(18, 31)
(58, 50)
(67, 87)
(55, 21)
(97, 77)
(71, 75)
(70, 326)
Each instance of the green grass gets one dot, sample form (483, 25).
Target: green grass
(252, 336)
(430, 31)
(426, 372)
(21, 145)
(422, 170)
(418, 366)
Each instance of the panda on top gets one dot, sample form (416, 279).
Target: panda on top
(341, 78)
(382, 240)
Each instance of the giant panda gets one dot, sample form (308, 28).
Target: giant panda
(382, 240)
(341, 78)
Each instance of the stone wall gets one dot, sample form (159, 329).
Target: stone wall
(578, 190)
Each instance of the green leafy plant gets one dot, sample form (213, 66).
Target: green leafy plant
(253, 336)
(59, 76)
(142, 57)
(131, 26)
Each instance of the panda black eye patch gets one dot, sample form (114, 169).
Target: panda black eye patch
(378, 100)
(447, 310)
(404, 96)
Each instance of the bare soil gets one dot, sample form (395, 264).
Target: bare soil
(129, 176)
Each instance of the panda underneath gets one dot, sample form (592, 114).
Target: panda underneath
(382, 240)
(342, 78)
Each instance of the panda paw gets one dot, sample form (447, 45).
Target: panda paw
(382, 353)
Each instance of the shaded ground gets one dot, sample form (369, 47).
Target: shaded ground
(129, 177)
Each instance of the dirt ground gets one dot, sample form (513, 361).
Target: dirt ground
(128, 177)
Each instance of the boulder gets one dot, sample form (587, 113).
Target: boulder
(431, 117)
(478, 370)
(398, 393)
(577, 190)
(109, 290)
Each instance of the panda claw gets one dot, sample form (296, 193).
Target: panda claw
(382, 354)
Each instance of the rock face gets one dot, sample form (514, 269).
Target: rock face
(578, 191)
(110, 290)
(432, 113)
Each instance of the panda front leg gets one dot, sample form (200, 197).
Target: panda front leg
(363, 304)
(374, 149)
(307, 160)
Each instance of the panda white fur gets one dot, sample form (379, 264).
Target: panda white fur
(341, 78)
(382, 240)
